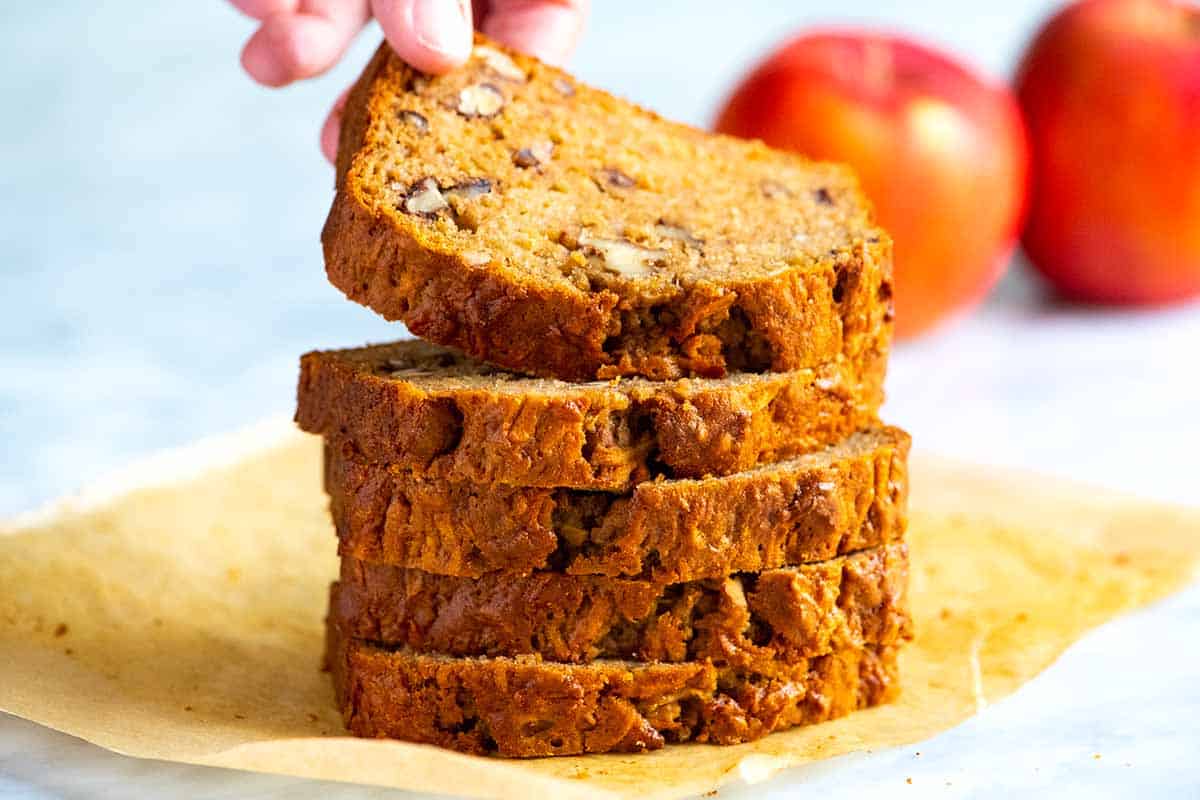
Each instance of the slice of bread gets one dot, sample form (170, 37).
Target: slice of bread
(850, 496)
(779, 615)
(439, 414)
(545, 226)
(524, 707)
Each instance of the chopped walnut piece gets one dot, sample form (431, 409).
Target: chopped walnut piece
(469, 189)
(480, 100)
(620, 255)
(535, 155)
(424, 198)
(414, 120)
(611, 176)
(499, 63)
(669, 231)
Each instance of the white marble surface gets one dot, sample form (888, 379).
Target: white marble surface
(160, 275)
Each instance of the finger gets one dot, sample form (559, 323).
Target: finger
(261, 9)
(333, 127)
(548, 29)
(290, 47)
(431, 35)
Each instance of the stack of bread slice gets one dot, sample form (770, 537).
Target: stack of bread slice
(633, 488)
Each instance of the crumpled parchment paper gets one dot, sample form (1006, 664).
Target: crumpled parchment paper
(183, 622)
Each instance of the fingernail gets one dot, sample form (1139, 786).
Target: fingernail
(443, 26)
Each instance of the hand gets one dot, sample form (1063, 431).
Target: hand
(302, 38)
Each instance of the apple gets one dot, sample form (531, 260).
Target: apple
(1111, 93)
(940, 151)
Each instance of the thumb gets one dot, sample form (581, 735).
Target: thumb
(431, 35)
(548, 29)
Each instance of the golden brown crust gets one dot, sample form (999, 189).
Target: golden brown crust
(523, 707)
(355, 118)
(434, 412)
(504, 538)
(738, 621)
(822, 286)
(848, 497)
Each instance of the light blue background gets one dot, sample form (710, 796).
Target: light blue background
(159, 212)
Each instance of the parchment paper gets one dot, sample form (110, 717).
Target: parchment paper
(183, 622)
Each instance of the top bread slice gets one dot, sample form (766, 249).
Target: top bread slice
(547, 227)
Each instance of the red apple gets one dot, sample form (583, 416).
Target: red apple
(939, 150)
(1111, 93)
